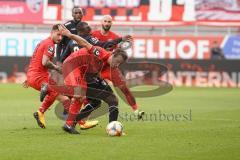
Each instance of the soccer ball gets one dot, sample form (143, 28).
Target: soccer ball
(114, 128)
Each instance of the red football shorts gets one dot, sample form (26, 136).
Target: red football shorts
(36, 81)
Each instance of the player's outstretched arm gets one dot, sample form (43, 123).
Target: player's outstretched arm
(131, 100)
(129, 96)
(78, 39)
(109, 45)
(124, 38)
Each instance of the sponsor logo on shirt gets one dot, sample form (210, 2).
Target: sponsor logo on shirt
(96, 52)
(50, 50)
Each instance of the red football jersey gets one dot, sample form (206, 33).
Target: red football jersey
(113, 74)
(45, 47)
(110, 36)
(89, 62)
(94, 61)
(118, 80)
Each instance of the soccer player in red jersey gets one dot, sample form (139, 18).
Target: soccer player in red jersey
(82, 69)
(37, 74)
(105, 34)
(115, 75)
(118, 80)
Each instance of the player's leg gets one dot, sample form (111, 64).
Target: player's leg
(65, 100)
(102, 91)
(92, 105)
(48, 101)
(74, 108)
(36, 83)
(112, 102)
(43, 91)
(73, 80)
(45, 87)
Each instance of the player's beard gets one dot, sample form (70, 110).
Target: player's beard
(106, 28)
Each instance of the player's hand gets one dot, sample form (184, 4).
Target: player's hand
(64, 30)
(127, 38)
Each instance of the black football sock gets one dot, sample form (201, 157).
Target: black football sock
(85, 112)
(113, 113)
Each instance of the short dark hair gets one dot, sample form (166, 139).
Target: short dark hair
(77, 7)
(83, 28)
(55, 27)
(80, 25)
(120, 52)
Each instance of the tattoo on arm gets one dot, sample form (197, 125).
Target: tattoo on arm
(50, 65)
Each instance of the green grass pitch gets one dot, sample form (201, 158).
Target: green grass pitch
(212, 131)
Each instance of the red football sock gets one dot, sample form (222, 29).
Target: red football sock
(73, 111)
(85, 102)
(48, 101)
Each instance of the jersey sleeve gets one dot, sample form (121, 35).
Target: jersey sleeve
(118, 80)
(96, 42)
(49, 50)
(129, 96)
(115, 76)
(100, 53)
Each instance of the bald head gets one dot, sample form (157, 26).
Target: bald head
(107, 17)
(106, 22)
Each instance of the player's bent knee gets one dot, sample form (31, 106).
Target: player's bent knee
(111, 100)
(95, 103)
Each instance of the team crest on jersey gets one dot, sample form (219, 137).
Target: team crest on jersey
(96, 52)
(50, 50)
